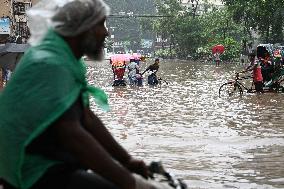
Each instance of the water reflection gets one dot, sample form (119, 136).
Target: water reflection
(211, 142)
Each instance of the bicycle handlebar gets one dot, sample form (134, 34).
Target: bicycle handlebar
(237, 75)
(175, 183)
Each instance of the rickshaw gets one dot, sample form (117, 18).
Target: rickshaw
(272, 65)
(264, 53)
(272, 72)
(118, 65)
(281, 51)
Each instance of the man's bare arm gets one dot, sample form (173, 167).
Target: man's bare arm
(90, 153)
(95, 126)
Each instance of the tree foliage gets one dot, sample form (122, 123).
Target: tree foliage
(129, 30)
(219, 28)
(194, 36)
(186, 32)
(263, 16)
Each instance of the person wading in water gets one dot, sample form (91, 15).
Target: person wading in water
(153, 68)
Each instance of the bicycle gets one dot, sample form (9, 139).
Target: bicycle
(153, 80)
(234, 87)
(278, 85)
(158, 173)
(160, 80)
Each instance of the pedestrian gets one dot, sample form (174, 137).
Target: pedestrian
(242, 59)
(49, 136)
(133, 70)
(217, 58)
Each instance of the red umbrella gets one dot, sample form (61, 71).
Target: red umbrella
(219, 48)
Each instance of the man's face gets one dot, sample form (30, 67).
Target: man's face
(92, 43)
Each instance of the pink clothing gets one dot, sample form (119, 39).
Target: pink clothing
(217, 56)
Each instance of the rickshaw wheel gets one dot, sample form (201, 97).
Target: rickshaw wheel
(281, 86)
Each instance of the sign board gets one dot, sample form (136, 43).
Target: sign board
(5, 26)
(147, 43)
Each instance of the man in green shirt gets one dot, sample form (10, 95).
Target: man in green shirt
(49, 137)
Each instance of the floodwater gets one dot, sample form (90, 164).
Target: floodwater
(208, 141)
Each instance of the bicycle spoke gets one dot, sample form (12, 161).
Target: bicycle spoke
(230, 89)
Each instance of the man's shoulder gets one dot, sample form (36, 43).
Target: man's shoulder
(41, 63)
(42, 52)
(38, 55)
(154, 65)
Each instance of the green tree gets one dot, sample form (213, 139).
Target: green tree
(218, 27)
(129, 29)
(178, 27)
(191, 33)
(263, 16)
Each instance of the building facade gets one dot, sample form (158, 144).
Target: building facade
(200, 7)
(13, 20)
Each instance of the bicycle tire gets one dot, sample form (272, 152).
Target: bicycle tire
(230, 89)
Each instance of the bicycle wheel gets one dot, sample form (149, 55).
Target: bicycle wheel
(230, 89)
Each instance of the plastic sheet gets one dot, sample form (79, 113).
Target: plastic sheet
(66, 17)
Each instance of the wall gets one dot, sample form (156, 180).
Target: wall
(5, 8)
(16, 28)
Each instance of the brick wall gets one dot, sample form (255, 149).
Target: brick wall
(6, 6)
(18, 25)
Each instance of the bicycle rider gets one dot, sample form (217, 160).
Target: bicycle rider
(152, 78)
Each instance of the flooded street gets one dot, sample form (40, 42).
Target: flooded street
(208, 141)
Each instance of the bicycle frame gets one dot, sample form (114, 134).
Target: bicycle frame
(238, 79)
(238, 87)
